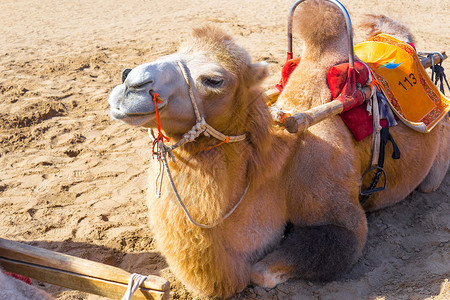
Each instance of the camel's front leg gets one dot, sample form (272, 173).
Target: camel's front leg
(313, 253)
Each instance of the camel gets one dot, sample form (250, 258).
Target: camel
(298, 212)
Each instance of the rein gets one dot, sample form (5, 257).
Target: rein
(162, 151)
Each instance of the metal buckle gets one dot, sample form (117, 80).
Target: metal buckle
(375, 189)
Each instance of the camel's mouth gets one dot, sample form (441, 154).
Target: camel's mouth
(137, 118)
(119, 114)
(135, 108)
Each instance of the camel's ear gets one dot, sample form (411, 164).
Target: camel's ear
(260, 71)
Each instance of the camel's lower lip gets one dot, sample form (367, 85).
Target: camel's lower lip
(136, 118)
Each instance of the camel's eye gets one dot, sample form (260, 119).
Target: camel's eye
(125, 74)
(213, 82)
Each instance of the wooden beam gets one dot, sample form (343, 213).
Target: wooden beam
(76, 273)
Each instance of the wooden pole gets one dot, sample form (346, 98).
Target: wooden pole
(76, 273)
(271, 96)
(426, 61)
(302, 120)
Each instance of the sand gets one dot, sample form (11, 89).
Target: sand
(74, 181)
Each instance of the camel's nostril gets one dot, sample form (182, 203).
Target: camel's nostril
(125, 74)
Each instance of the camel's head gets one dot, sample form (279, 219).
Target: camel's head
(221, 76)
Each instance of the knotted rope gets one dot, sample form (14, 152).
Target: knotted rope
(134, 283)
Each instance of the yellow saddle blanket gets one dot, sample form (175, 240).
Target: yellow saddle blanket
(397, 71)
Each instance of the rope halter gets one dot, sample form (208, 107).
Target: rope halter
(201, 127)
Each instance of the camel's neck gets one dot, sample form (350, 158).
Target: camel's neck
(333, 51)
(208, 180)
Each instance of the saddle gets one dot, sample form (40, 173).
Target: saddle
(398, 73)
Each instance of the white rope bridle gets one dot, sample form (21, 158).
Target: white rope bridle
(201, 127)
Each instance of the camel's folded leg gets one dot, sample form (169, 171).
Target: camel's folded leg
(442, 161)
(312, 253)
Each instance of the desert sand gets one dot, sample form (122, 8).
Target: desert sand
(74, 181)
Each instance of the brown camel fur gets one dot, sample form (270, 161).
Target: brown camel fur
(310, 181)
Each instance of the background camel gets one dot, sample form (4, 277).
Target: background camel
(296, 220)
(72, 183)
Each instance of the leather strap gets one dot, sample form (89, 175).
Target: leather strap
(385, 137)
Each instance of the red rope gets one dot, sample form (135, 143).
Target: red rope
(20, 277)
(227, 139)
(161, 136)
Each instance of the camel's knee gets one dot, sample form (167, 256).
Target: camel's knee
(313, 253)
(435, 176)
(441, 163)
